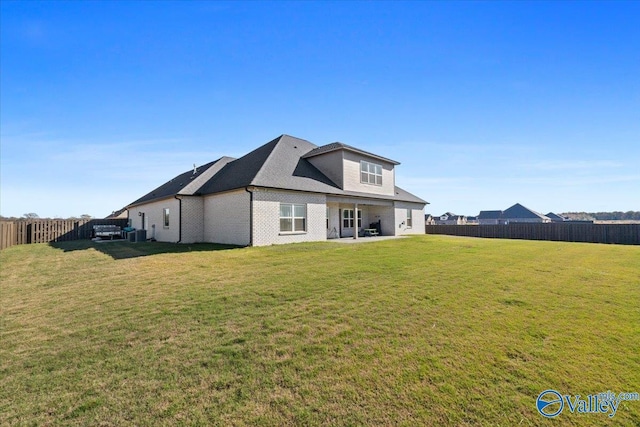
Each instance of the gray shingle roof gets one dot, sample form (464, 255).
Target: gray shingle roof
(518, 211)
(175, 185)
(340, 146)
(490, 215)
(555, 217)
(281, 164)
(277, 164)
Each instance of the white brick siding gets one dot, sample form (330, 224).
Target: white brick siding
(386, 216)
(192, 219)
(266, 217)
(154, 216)
(417, 218)
(333, 232)
(226, 218)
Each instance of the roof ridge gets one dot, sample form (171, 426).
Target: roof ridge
(266, 160)
(333, 146)
(205, 176)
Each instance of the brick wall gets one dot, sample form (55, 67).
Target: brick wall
(386, 216)
(266, 217)
(226, 218)
(417, 218)
(154, 216)
(192, 219)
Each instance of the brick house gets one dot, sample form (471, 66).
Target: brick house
(288, 190)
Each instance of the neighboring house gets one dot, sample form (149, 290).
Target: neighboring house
(288, 190)
(119, 214)
(472, 220)
(449, 218)
(490, 218)
(429, 219)
(555, 217)
(519, 213)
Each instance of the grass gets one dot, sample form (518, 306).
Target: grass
(431, 330)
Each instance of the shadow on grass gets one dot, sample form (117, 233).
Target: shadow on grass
(122, 249)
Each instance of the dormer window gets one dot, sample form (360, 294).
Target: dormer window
(370, 173)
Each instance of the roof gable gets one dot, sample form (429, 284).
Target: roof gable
(334, 146)
(518, 211)
(555, 216)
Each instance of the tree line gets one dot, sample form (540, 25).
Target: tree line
(33, 215)
(603, 216)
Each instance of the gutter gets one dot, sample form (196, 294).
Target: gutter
(179, 218)
(250, 215)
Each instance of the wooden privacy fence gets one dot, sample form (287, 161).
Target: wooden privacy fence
(625, 234)
(45, 230)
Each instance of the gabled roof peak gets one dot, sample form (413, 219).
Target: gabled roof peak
(334, 146)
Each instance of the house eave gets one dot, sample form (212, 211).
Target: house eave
(352, 150)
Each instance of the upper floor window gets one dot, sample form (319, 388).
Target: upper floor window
(370, 173)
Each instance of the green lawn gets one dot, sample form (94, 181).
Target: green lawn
(430, 330)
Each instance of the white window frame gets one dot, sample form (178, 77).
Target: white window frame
(347, 220)
(409, 218)
(294, 217)
(165, 218)
(370, 173)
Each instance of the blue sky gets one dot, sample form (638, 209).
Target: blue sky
(484, 104)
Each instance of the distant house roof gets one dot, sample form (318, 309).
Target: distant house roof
(555, 217)
(116, 214)
(490, 215)
(281, 163)
(518, 211)
(340, 146)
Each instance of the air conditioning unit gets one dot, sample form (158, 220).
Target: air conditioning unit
(141, 235)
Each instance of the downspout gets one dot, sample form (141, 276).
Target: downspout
(250, 215)
(179, 218)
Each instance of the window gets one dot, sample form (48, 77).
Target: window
(327, 218)
(370, 173)
(293, 218)
(165, 217)
(409, 218)
(347, 218)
